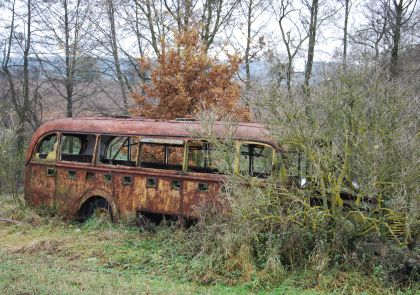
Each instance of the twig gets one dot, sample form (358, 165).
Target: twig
(7, 220)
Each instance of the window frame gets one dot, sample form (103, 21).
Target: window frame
(97, 156)
(186, 155)
(40, 139)
(163, 141)
(239, 143)
(61, 134)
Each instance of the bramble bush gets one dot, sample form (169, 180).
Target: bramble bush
(359, 132)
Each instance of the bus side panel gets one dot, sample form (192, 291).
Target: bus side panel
(195, 199)
(40, 184)
(129, 196)
(165, 199)
(138, 196)
(73, 182)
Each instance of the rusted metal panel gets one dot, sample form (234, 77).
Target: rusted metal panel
(146, 127)
(126, 188)
(40, 186)
(195, 199)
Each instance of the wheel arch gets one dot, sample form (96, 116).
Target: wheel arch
(98, 193)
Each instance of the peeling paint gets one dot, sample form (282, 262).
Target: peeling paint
(68, 193)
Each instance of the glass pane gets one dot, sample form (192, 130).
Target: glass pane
(115, 150)
(297, 164)
(263, 160)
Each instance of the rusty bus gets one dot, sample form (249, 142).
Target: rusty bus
(81, 166)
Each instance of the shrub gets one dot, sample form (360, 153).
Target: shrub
(11, 158)
(358, 132)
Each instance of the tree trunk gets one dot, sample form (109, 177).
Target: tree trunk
(26, 60)
(150, 22)
(396, 36)
(69, 80)
(346, 19)
(311, 46)
(248, 46)
(114, 46)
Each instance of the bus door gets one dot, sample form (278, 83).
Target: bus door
(41, 172)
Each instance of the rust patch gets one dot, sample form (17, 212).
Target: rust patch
(65, 185)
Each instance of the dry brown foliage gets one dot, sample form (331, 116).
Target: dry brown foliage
(186, 79)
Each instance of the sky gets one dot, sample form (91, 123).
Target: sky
(327, 42)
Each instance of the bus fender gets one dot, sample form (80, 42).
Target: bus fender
(97, 192)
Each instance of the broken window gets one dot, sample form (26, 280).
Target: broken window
(77, 147)
(118, 150)
(298, 167)
(200, 157)
(256, 160)
(47, 148)
(161, 153)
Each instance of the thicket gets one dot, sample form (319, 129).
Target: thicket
(11, 159)
(359, 132)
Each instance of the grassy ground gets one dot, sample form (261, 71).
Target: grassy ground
(44, 255)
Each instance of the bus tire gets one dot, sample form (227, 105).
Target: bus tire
(96, 207)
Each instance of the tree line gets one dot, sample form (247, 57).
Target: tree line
(74, 54)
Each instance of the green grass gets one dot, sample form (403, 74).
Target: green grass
(45, 255)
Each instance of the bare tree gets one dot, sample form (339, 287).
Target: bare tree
(313, 25)
(400, 12)
(150, 17)
(252, 10)
(293, 34)
(315, 19)
(211, 16)
(388, 28)
(106, 37)
(371, 35)
(24, 98)
(110, 10)
(65, 49)
(347, 7)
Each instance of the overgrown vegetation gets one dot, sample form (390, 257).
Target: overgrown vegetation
(11, 159)
(343, 216)
(354, 204)
(45, 255)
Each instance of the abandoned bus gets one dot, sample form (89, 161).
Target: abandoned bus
(81, 166)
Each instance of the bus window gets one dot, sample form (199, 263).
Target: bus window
(256, 160)
(47, 148)
(298, 167)
(77, 147)
(118, 150)
(159, 154)
(199, 157)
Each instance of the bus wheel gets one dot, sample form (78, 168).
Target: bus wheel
(96, 207)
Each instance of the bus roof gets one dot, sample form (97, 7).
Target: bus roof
(149, 127)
